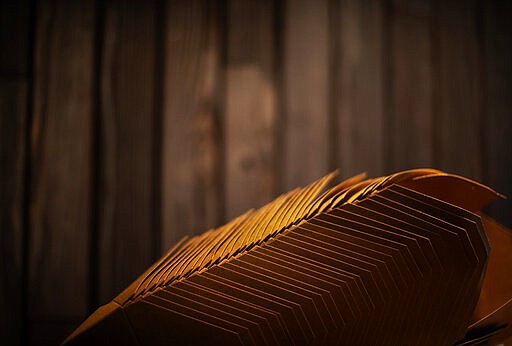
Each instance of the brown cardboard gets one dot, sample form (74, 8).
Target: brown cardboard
(395, 260)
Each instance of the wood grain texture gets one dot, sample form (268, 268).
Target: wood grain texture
(191, 152)
(409, 123)
(61, 159)
(14, 82)
(359, 89)
(250, 106)
(126, 144)
(457, 90)
(306, 95)
(498, 103)
(13, 98)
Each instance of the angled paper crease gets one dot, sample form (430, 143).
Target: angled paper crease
(405, 259)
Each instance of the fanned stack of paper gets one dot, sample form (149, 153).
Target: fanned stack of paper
(406, 259)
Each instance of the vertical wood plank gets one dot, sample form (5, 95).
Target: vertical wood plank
(191, 153)
(127, 144)
(409, 96)
(61, 168)
(306, 93)
(12, 148)
(457, 95)
(498, 103)
(359, 110)
(250, 106)
(14, 37)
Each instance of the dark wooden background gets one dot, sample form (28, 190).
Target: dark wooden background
(125, 125)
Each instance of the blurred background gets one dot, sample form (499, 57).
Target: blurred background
(125, 125)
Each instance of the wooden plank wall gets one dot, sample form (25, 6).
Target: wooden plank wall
(126, 122)
(126, 125)
(61, 166)
(15, 80)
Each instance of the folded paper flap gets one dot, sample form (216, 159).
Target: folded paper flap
(483, 336)
(108, 325)
(499, 322)
(95, 318)
(127, 293)
(217, 245)
(409, 175)
(454, 189)
(497, 285)
(355, 188)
